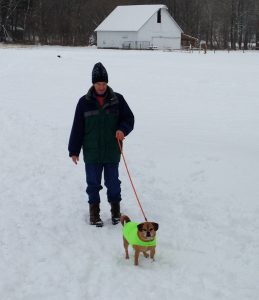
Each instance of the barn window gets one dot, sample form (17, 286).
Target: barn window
(159, 16)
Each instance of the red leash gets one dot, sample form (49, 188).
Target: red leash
(131, 180)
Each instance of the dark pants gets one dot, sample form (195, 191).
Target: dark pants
(111, 181)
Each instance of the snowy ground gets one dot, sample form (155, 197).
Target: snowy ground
(194, 157)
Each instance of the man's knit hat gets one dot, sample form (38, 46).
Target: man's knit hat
(99, 73)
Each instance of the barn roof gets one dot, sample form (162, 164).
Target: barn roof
(128, 17)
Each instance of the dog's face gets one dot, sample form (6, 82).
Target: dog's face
(147, 231)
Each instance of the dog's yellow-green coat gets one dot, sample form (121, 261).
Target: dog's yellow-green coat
(130, 232)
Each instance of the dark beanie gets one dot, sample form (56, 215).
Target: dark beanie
(99, 73)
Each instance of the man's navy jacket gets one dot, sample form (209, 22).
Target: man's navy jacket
(94, 127)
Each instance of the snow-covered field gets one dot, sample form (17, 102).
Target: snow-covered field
(194, 158)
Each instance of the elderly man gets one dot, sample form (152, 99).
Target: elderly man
(101, 118)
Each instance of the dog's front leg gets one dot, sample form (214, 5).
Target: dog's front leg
(137, 252)
(126, 247)
(152, 253)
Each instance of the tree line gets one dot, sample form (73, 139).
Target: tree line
(220, 23)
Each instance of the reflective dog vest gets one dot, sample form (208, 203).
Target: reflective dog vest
(130, 232)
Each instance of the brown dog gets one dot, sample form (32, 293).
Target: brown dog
(141, 236)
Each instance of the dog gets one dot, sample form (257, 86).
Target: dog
(141, 236)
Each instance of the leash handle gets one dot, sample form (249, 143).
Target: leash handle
(120, 146)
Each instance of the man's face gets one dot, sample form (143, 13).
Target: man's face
(100, 87)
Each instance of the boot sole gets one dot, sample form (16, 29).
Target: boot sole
(97, 224)
(115, 221)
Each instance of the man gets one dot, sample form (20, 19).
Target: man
(102, 117)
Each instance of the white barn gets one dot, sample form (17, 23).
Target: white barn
(139, 27)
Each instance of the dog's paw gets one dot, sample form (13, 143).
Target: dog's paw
(146, 254)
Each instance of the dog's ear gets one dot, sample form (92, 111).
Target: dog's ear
(140, 226)
(155, 226)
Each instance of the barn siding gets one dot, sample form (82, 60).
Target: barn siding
(115, 39)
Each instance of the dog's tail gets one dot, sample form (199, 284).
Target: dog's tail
(124, 219)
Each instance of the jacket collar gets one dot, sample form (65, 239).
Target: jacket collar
(109, 95)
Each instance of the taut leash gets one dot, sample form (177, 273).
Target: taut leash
(131, 180)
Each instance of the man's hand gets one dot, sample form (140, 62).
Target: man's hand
(75, 159)
(119, 135)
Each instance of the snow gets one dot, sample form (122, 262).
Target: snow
(128, 17)
(193, 157)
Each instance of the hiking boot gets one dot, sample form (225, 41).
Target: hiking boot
(115, 212)
(95, 219)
